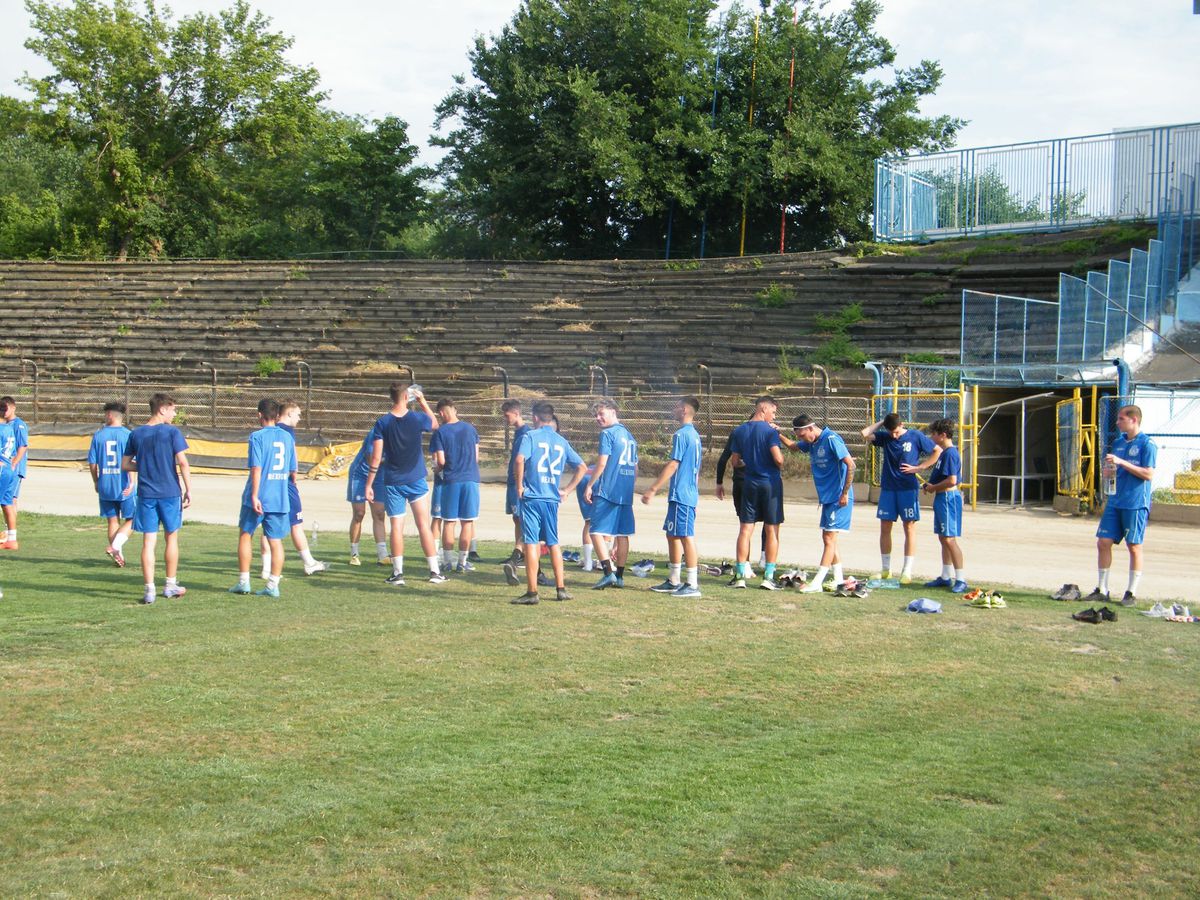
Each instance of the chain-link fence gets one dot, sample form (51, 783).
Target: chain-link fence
(1171, 417)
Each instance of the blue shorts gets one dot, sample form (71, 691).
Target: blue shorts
(119, 509)
(835, 517)
(511, 500)
(154, 511)
(762, 501)
(398, 496)
(1128, 525)
(680, 521)
(947, 514)
(460, 501)
(585, 509)
(611, 519)
(901, 505)
(20, 481)
(539, 522)
(274, 524)
(295, 510)
(356, 490)
(10, 485)
(435, 499)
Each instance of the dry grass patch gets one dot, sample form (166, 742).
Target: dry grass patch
(578, 326)
(558, 303)
(500, 348)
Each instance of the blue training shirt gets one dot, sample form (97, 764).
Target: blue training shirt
(108, 446)
(620, 472)
(154, 447)
(521, 431)
(949, 463)
(403, 453)
(547, 455)
(1134, 492)
(685, 449)
(360, 468)
(753, 441)
(13, 436)
(272, 450)
(458, 441)
(906, 449)
(827, 454)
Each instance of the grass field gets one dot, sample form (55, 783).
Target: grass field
(352, 739)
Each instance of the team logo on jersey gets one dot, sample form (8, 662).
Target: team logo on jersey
(821, 453)
(1133, 451)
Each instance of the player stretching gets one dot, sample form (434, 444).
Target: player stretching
(456, 446)
(833, 475)
(683, 496)
(947, 507)
(1126, 512)
(511, 410)
(271, 459)
(289, 418)
(356, 496)
(611, 495)
(541, 459)
(398, 463)
(899, 486)
(756, 445)
(14, 449)
(157, 452)
(113, 485)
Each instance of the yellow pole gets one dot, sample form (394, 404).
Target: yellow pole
(750, 122)
(974, 446)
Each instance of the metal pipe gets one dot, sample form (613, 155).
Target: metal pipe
(121, 362)
(301, 368)
(592, 370)
(824, 377)
(876, 384)
(412, 375)
(212, 401)
(503, 373)
(706, 372)
(36, 378)
(1124, 378)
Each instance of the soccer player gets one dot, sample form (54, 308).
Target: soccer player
(683, 472)
(586, 550)
(738, 479)
(542, 457)
(1132, 460)
(271, 459)
(511, 411)
(611, 495)
(947, 507)
(756, 445)
(398, 467)
(356, 496)
(14, 448)
(289, 418)
(113, 485)
(899, 486)
(456, 447)
(833, 475)
(157, 452)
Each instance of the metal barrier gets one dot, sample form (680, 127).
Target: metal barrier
(1035, 186)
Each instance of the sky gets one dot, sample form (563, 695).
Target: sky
(1018, 70)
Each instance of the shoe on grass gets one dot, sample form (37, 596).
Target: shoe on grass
(178, 591)
(959, 587)
(811, 588)
(147, 598)
(510, 573)
(608, 580)
(396, 579)
(543, 581)
(737, 582)
(317, 566)
(355, 560)
(268, 591)
(906, 578)
(1097, 596)
(687, 592)
(1091, 616)
(473, 556)
(561, 594)
(526, 599)
(1067, 592)
(1129, 599)
(768, 584)
(667, 587)
(939, 582)
(242, 587)
(1108, 615)
(1157, 611)
(973, 595)
(115, 555)
(437, 578)
(620, 582)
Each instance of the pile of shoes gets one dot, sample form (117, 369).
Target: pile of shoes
(717, 571)
(642, 567)
(852, 587)
(792, 578)
(985, 599)
(1067, 592)
(1179, 613)
(1095, 616)
(571, 556)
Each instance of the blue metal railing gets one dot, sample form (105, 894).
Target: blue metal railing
(1034, 186)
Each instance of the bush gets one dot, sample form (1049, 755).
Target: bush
(775, 296)
(268, 366)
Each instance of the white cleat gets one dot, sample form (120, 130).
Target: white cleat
(317, 566)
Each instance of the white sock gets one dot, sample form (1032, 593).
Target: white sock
(693, 576)
(822, 571)
(762, 559)
(838, 575)
(885, 564)
(462, 557)
(119, 541)
(244, 578)
(354, 549)
(12, 535)
(307, 556)
(673, 572)
(947, 570)
(172, 582)
(447, 557)
(960, 574)
(266, 564)
(150, 587)
(1102, 580)
(381, 549)
(434, 568)
(474, 548)
(908, 564)
(587, 556)
(273, 581)
(1135, 576)
(397, 565)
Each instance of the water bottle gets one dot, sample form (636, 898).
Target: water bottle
(1110, 480)
(414, 391)
(316, 534)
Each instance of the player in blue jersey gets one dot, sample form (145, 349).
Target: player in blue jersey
(833, 476)
(456, 448)
(586, 550)
(157, 452)
(271, 459)
(114, 486)
(682, 473)
(14, 447)
(901, 450)
(511, 411)
(944, 478)
(611, 495)
(397, 474)
(542, 458)
(290, 412)
(757, 447)
(1132, 460)
(356, 496)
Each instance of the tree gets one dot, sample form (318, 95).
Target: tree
(156, 107)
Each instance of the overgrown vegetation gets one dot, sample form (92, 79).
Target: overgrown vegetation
(788, 373)
(775, 296)
(839, 350)
(268, 366)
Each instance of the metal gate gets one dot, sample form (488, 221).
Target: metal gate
(1075, 440)
(919, 409)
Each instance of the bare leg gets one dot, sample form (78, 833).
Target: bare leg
(466, 534)
(556, 561)
(149, 543)
(621, 551)
(1104, 553)
(745, 533)
(420, 511)
(675, 550)
(379, 522)
(829, 548)
(772, 533)
(885, 537)
(910, 538)
(171, 554)
(358, 512)
(397, 544)
(691, 556)
(245, 551)
(277, 557)
(532, 561)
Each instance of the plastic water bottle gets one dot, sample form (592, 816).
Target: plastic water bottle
(415, 391)
(1110, 480)
(316, 534)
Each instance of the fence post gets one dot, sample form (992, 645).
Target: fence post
(503, 373)
(706, 372)
(212, 401)
(36, 378)
(301, 368)
(125, 366)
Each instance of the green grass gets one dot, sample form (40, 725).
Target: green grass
(354, 740)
